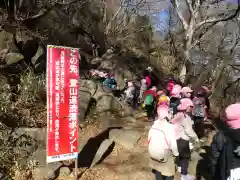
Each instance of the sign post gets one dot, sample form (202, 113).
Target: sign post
(62, 103)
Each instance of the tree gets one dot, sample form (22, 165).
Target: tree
(196, 22)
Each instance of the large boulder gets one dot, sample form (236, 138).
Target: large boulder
(127, 138)
(12, 58)
(6, 42)
(39, 59)
(105, 100)
(105, 145)
(42, 170)
(84, 101)
(38, 134)
(118, 67)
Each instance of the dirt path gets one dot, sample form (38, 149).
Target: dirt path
(132, 164)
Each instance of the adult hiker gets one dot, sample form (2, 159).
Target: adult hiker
(147, 78)
(186, 92)
(184, 134)
(110, 82)
(170, 84)
(149, 99)
(225, 147)
(199, 112)
(162, 146)
(129, 93)
(175, 99)
(207, 93)
(143, 88)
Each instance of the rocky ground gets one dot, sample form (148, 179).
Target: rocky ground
(112, 136)
(127, 156)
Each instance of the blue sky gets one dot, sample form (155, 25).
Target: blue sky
(160, 22)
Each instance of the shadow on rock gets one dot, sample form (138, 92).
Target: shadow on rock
(87, 154)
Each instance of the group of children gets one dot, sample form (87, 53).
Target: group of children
(178, 129)
(178, 114)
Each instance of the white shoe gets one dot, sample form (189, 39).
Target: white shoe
(187, 177)
(191, 146)
(179, 169)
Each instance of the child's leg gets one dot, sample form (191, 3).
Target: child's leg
(184, 165)
(168, 177)
(158, 175)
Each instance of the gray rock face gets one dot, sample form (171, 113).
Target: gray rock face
(64, 172)
(46, 172)
(39, 134)
(84, 99)
(43, 170)
(12, 58)
(127, 138)
(101, 151)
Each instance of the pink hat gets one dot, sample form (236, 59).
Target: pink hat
(176, 91)
(163, 111)
(160, 92)
(186, 90)
(184, 104)
(232, 113)
(154, 88)
(130, 84)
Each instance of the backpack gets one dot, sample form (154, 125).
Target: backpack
(199, 107)
(173, 105)
(149, 100)
(157, 143)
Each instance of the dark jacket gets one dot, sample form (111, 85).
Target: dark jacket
(225, 152)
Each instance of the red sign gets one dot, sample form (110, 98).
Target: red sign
(62, 103)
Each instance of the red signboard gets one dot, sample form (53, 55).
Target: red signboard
(62, 103)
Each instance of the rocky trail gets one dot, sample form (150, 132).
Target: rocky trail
(123, 152)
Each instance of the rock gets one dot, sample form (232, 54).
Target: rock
(101, 151)
(139, 115)
(12, 58)
(96, 60)
(38, 134)
(88, 86)
(39, 56)
(4, 176)
(84, 100)
(117, 66)
(109, 51)
(64, 172)
(106, 101)
(43, 170)
(3, 53)
(127, 138)
(46, 172)
(6, 42)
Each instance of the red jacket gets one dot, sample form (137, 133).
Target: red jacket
(153, 93)
(170, 85)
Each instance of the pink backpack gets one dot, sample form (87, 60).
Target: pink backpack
(148, 81)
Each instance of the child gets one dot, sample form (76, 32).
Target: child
(149, 102)
(184, 134)
(129, 93)
(186, 92)
(199, 112)
(162, 146)
(175, 99)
